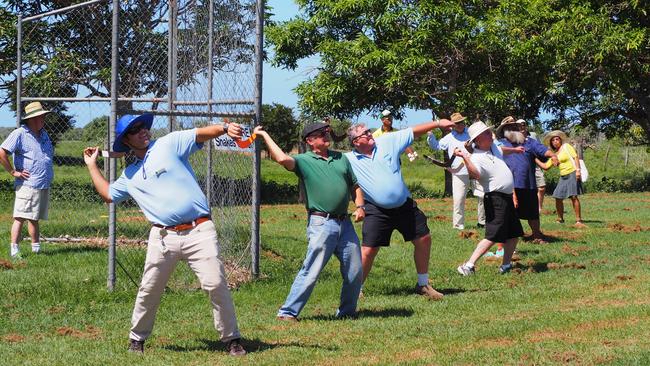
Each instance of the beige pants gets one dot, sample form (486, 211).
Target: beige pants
(198, 247)
(459, 186)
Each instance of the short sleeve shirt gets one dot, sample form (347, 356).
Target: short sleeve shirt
(33, 154)
(163, 183)
(495, 174)
(380, 175)
(523, 165)
(327, 181)
(449, 143)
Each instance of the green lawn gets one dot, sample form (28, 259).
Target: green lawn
(582, 299)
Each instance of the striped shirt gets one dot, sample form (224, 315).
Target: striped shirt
(33, 154)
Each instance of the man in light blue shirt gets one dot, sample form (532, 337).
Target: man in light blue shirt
(460, 181)
(388, 202)
(162, 182)
(33, 152)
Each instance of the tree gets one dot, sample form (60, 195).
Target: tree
(587, 62)
(278, 120)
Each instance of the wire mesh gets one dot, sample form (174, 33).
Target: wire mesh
(190, 63)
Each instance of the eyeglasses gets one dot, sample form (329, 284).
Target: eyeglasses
(365, 133)
(135, 129)
(320, 133)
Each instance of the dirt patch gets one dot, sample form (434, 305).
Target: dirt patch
(566, 357)
(56, 309)
(563, 235)
(5, 264)
(622, 228)
(271, 255)
(468, 234)
(624, 277)
(571, 265)
(236, 274)
(13, 338)
(440, 218)
(89, 333)
(574, 251)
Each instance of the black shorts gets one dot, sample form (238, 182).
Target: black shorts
(379, 223)
(528, 208)
(501, 221)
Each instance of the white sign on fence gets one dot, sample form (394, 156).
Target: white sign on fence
(224, 142)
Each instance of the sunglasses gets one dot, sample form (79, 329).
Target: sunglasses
(135, 129)
(362, 134)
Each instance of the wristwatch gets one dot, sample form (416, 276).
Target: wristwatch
(363, 207)
(226, 126)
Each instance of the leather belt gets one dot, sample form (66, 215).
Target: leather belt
(186, 225)
(328, 215)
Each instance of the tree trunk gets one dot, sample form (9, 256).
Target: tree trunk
(606, 158)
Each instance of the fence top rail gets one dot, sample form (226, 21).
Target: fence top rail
(62, 10)
(135, 99)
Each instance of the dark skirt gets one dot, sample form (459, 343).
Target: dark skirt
(568, 186)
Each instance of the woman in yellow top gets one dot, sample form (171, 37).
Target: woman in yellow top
(569, 185)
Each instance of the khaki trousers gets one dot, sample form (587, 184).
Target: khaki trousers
(459, 186)
(198, 247)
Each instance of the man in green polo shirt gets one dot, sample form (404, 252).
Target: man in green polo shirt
(328, 180)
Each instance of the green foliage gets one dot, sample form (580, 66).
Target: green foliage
(95, 131)
(280, 123)
(587, 62)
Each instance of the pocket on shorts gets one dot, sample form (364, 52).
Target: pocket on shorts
(24, 199)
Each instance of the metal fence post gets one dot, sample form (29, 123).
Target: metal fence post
(255, 223)
(210, 73)
(171, 61)
(19, 68)
(112, 216)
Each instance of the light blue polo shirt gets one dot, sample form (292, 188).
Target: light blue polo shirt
(163, 183)
(380, 176)
(33, 154)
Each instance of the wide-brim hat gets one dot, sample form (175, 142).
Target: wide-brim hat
(555, 133)
(457, 117)
(32, 110)
(124, 123)
(476, 129)
(506, 122)
(313, 127)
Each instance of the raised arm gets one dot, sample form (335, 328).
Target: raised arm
(277, 154)
(206, 133)
(471, 168)
(100, 183)
(422, 128)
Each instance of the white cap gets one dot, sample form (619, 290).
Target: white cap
(386, 113)
(476, 129)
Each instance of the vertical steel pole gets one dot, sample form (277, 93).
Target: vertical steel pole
(210, 75)
(171, 62)
(255, 224)
(19, 69)
(112, 214)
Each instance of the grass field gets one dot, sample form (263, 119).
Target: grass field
(582, 299)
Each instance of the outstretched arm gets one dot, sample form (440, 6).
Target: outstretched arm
(422, 128)
(100, 183)
(206, 133)
(277, 154)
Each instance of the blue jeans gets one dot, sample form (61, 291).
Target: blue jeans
(327, 237)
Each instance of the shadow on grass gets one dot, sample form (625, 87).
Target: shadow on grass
(537, 267)
(410, 290)
(367, 313)
(52, 250)
(251, 346)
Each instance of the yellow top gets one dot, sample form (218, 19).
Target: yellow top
(564, 155)
(380, 131)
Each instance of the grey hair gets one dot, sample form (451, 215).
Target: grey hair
(353, 131)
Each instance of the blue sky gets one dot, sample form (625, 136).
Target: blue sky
(278, 84)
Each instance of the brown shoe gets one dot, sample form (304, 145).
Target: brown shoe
(235, 348)
(287, 318)
(429, 292)
(136, 346)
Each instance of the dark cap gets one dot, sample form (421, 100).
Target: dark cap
(313, 127)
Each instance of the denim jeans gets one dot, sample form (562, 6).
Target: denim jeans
(327, 237)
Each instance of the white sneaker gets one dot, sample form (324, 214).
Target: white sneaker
(36, 248)
(459, 227)
(15, 252)
(465, 270)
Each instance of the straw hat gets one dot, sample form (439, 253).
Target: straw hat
(510, 120)
(555, 133)
(34, 109)
(457, 117)
(476, 129)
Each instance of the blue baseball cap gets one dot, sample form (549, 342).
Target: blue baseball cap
(124, 123)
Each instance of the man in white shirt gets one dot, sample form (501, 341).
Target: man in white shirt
(460, 180)
(486, 165)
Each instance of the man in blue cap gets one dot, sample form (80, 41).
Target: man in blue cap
(162, 182)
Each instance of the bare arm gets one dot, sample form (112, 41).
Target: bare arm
(4, 161)
(422, 128)
(512, 150)
(471, 168)
(360, 212)
(100, 183)
(277, 154)
(204, 134)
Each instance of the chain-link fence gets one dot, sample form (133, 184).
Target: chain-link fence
(190, 63)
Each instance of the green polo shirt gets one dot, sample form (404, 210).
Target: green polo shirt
(327, 181)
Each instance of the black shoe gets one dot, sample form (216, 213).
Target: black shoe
(235, 348)
(480, 226)
(136, 346)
